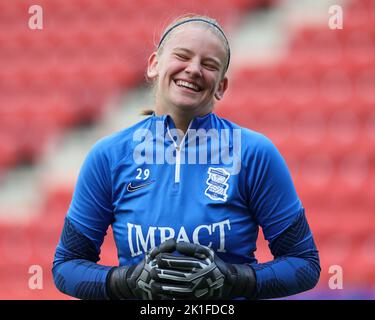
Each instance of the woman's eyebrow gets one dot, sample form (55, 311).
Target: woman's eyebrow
(183, 49)
(214, 60)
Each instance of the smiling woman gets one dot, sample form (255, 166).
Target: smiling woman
(189, 68)
(187, 227)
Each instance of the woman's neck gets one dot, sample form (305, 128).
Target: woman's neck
(181, 118)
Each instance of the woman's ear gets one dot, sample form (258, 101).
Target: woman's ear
(152, 70)
(223, 85)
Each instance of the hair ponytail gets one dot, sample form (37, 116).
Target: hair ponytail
(147, 112)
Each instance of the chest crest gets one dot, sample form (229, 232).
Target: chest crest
(217, 185)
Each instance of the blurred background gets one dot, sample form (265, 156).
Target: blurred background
(308, 87)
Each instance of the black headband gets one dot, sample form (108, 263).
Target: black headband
(201, 20)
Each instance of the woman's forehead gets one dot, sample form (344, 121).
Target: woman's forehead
(191, 36)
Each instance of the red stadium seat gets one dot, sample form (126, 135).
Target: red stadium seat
(108, 254)
(8, 151)
(316, 105)
(15, 246)
(360, 48)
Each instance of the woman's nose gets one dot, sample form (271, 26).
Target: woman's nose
(194, 68)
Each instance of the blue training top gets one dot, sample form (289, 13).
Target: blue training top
(214, 186)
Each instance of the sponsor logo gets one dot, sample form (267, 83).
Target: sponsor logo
(142, 239)
(132, 188)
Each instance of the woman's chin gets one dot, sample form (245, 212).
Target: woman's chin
(186, 104)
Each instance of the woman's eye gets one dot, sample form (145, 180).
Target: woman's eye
(182, 57)
(210, 67)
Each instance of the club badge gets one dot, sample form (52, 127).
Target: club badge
(217, 184)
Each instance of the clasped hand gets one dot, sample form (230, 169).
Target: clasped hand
(188, 271)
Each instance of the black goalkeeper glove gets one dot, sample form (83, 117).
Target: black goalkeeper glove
(134, 281)
(198, 273)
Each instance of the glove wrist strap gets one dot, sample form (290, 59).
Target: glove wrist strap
(245, 284)
(117, 286)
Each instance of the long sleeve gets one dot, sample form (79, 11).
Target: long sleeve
(75, 269)
(296, 267)
(278, 210)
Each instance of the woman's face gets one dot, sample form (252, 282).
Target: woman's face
(189, 69)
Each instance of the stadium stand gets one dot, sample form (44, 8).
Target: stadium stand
(320, 115)
(59, 78)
